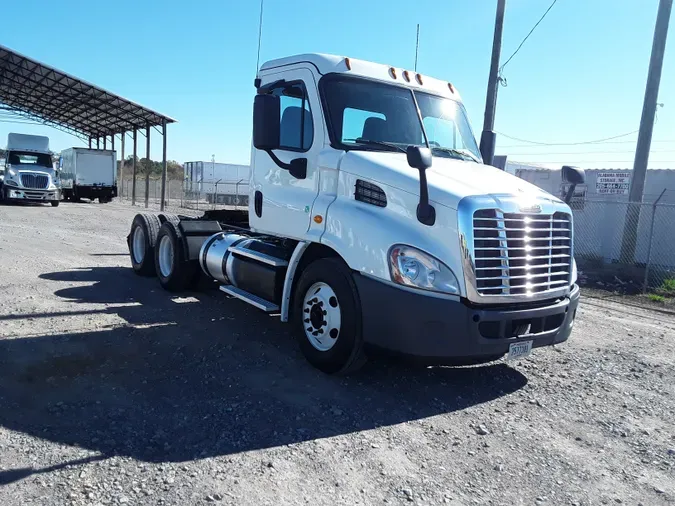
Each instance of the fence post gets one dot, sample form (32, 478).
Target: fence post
(147, 189)
(236, 195)
(182, 192)
(649, 246)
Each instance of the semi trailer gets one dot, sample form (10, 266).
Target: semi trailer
(28, 174)
(373, 224)
(88, 173)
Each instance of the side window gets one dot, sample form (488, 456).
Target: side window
(296, 131)
(354, 123)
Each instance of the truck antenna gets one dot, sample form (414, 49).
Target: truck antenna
(257, 63)
(417, 45)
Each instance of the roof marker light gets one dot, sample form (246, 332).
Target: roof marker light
(392, 71)
(452, 88)
(348, 63)
(419, 78)
(406, 75)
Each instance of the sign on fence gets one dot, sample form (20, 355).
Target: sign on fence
(613, 183)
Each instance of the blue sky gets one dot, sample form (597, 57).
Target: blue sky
(579, 77)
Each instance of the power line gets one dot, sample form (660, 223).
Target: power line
(529, 146)
(567, 143)
(591, 152)
(502, 79)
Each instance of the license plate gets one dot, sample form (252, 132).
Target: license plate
(519, 350)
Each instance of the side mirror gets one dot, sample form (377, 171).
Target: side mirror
(266, 121)
(418, 157)
(573, 175)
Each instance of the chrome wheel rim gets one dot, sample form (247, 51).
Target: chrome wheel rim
(138, 245)
(321, 316)
(165, 256)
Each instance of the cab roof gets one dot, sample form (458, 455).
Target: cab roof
(328, 63)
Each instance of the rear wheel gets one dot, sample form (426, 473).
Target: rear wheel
(174, 270)
(141, 241)
(327, 314)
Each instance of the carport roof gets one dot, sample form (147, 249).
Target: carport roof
(39, 92)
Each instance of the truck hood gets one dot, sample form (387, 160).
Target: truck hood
(450, 180)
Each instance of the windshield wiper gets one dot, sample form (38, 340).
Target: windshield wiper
(460, 152)
(384, 144)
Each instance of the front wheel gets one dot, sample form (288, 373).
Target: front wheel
(327, 314)
(54, 203)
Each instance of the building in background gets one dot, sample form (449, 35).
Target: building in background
(221, 183)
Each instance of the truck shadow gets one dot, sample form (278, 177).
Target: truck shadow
(201, 376)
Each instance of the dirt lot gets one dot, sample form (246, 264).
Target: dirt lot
(113, 392)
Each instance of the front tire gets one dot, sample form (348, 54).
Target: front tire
(327, 317)
(174, 270)
(55, 203)
(141, 241)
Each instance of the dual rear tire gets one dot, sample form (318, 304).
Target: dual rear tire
(158, 249)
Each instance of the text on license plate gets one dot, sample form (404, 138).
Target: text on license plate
(519, 350)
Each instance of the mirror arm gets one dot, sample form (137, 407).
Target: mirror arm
(570, 193)
(281, 164)
(296, 172)
(426, 214)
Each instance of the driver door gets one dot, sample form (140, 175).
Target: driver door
(282, 202)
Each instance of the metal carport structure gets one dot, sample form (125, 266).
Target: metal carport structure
(38, 92)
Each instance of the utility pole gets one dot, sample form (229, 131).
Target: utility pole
(644, 142)
(488, 137)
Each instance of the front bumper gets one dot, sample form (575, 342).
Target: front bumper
(446, 331)
(15, 193)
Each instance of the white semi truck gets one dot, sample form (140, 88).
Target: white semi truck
(28, 173)
(88, 173)
(373, 224)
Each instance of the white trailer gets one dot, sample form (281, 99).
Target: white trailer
(88, 173)
(222, 183)
(373, 224)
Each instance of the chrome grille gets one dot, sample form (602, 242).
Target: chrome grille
(521, 254)
(35, 181)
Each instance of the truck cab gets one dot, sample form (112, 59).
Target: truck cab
(373, 224)
(29, 173)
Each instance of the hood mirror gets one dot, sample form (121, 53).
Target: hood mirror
(574, 176)
(420, 158)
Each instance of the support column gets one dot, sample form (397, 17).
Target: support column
(148, 165)
(105, 141)
(120, 184)
(163, 164)
(90, 142)
(133, 165)
(98, 143)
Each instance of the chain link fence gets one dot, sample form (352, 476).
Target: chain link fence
(620, 247)
(625, 247)
(179, 194)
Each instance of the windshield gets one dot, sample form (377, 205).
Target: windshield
(377, 116)
(28, 158)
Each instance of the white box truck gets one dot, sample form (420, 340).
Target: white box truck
(28, 173)
(373, 224)
(88, 173)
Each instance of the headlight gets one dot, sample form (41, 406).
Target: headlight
(11, 172)
(412, 267)
(574, 272)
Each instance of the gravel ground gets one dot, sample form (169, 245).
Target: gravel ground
(114, 392)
